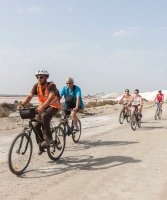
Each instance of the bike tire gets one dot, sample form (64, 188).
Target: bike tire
(128, 118)
(76, 135)
(133, 122)
(121, 117)
(20, 151)
(160, 114)
(63, 126)
(156, 114)
(139, 122)
(56, 149)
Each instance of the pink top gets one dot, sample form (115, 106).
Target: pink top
(160, 97)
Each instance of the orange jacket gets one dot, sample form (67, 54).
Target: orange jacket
(43, 97)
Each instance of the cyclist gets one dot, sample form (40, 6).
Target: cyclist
(49, 98)
(137, 101)
(125, 100)
(73, 100)
(159, 99)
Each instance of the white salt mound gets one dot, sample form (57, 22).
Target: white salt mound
(149, 96)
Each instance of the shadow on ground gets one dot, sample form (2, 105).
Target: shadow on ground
(83, 162)
(85, 144)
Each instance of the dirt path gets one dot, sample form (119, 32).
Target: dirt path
(111, 162)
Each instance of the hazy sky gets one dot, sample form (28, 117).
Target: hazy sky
(105, 45)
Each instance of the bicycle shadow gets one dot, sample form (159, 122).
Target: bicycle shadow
(154, 122)
(153, 127)
(86, 144)
(74, 163)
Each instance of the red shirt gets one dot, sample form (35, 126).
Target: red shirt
(160, 97)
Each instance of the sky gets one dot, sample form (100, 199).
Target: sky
(105, 45)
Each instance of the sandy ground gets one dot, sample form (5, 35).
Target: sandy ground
(111, 161)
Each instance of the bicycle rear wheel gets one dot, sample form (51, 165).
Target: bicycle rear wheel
(56, 149)
(20, 153)
(133, 122)
(76, 134)
(122, 116)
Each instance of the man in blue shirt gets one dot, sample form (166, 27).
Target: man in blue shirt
(73, 100)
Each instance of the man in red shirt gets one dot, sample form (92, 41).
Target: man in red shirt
(159, 99)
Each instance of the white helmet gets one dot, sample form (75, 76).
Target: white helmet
(42, 72)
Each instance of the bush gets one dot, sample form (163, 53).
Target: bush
(6, 109)
(101, 103)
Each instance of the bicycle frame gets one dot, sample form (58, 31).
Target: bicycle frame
(28, 130)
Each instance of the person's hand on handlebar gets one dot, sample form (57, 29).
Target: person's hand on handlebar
(75, 109)
(19, 106)
(40, 109)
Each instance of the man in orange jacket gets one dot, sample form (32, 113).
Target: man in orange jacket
(49, 98)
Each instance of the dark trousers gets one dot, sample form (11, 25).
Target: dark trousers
(42, 127)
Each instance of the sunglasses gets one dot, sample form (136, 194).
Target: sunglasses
(127, 91)
(68, 83)
(40, 77)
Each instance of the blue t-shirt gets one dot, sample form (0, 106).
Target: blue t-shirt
(74, 93)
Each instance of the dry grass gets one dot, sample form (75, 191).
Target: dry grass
(6, 109)
(101, 103)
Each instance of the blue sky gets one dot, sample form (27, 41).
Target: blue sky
(106, 46)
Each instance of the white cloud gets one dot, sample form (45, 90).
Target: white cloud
(70, 9)
(127, 32)
(34, 9)
(31, 10)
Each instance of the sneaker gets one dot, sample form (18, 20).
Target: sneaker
(46, 143)
(41, 151)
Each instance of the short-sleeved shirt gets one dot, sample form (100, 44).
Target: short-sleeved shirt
(71, 92)
(159, 97)
(51, 88)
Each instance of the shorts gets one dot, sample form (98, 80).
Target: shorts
(69, 110)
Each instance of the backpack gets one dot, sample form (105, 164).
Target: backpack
(70, 101)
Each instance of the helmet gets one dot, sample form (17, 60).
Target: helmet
(42, 72)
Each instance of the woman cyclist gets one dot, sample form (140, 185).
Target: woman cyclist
(137, 101)
(125, 100)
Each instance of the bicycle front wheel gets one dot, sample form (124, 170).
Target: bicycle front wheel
(76, 134)
(64, 127)
(20, 153)
(139, 121)
(128, 117)
(122, 117)
(156, 114)
(56, 149)
(160, 113)
(133, 122)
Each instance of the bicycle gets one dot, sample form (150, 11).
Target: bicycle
(20, 152)
(136, 119)
(124, 115)
(68, 127)
(158, 112)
